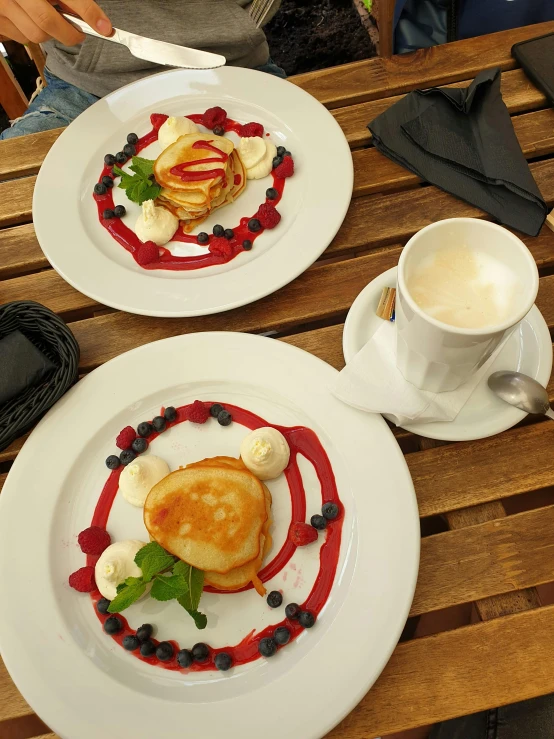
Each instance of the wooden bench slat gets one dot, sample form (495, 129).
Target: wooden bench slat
(12, 703)
(475, 562)
(377, 78)
(373, 172)
(378, 220)
(17, 160)
(458, 672)
(518, 93)
(464, 474)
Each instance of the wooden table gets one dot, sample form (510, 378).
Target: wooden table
(475, 549)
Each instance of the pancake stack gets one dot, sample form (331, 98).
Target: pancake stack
(198, 173)
(215, 515)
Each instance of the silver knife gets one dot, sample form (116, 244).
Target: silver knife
(159, 52)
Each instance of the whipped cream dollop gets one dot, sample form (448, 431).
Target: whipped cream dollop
(139, 477)
(265, 452)
(173, 129)
(156, 224)
(116, 563)
(257, 155)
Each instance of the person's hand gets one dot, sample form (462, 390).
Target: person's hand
(38, 21)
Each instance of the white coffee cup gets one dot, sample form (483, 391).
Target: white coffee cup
(436, 356)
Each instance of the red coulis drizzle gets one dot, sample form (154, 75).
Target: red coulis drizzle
(303, 441)
(179, 170)
(131, 242)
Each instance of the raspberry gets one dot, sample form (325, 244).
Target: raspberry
(83, 580)
(251, 129)
(125, 438)
(214, 117)
(157, 120)
(302, 534)
(268, 216)
(198, 413)
(94, 540)
(221, 247)
(147, 253)
(285, 169)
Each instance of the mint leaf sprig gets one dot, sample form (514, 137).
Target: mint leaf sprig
(141, 185)
(171, 578)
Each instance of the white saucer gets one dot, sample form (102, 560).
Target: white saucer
(528, 350)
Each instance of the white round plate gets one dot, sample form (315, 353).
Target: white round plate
(313, 206)
(79, 681)
(528, 350)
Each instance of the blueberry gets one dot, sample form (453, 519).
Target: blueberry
(281, 151)
(112, 462)
(318, 522)
(109, 159)
(139, 445)
(132, 138)
(159, 423)
(228, 233)
(144, 429)
(267, 647)
(292, 611)
(147, 648)
(276, 162)
(129, 150)
(203, 237)
(113, 625)
(281, 635)
(127, 456)
(306, 619)
(274, 599)
(144, 632)
(218, 230)
(121, 157)
(107, 180)
(246, 245)
(223, 661)
(254, 225)
(219, 131)
(164, 651)
(100, 188)
(224, 418)
(108, 214)
(330, 511)
(200, 652)
(130, 643)
(119, 211)
(287, 153)
(216, 409)
(170, 414)
(184, 658)
(103, 605)
(271, 193)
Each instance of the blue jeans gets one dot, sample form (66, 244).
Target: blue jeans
(60, 103)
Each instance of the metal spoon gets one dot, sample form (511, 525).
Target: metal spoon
(522, 391)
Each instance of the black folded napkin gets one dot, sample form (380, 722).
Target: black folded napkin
(463, 141)
(21, 365)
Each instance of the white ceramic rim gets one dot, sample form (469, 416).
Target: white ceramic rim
(72, 252)
(452, 431)
(44, 660)
(533, 290)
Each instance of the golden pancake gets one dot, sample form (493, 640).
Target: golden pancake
(210, 517)
(185, 154)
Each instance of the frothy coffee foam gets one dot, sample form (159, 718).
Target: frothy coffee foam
(463, 287)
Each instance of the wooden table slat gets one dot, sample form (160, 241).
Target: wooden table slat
(379, 78)
(18, 160)
(518, 93)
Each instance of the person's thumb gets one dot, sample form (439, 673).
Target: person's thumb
(92, 14)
